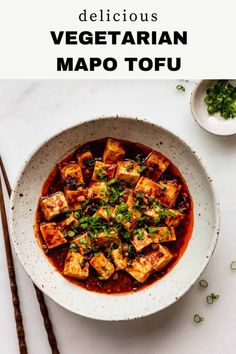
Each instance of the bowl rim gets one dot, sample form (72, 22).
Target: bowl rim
(87, 121)
(194, 113)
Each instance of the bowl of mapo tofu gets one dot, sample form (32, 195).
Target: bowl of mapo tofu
(115, 217)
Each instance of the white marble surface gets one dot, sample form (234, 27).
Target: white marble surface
(31, 111)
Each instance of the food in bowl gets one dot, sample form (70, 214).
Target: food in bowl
(114, 216)
(221, 97)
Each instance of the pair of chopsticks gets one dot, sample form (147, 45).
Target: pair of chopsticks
(11, 271)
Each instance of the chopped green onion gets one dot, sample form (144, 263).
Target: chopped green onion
(180, 88)
(156, 220)
(129, 263)
(113, 181)
(130, 248)
(163, 187)
(83, 241)
(197, 318)
(84, 219)
(140, 234)
(221, 97)
(130, 167)
(122, 207)
(89, 162)
(73, 247)
(126, 235)
(142, 168)
(105, 167)
(139, 159)
(119, 218)
(211, 298)
(71, 233)
(83, 205)
(110, 249)
(100, 175)
(233, 265)
(100, 277)
(153, 229)
(84, 226)
(203, 283)
(77, 214)
(139, 195)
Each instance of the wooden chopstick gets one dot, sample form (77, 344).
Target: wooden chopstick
(12, 278)
(42, 305)
(6, 180)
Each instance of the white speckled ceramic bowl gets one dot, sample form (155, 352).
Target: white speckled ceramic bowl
(214, 124)
(161, 293)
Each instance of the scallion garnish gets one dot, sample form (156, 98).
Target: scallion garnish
(129, 263)
(180, 88)
(140, 234)
(233, 265)
(130, 167)
(142, 168)
(139, 195)
(211, 298)
(197, 318)
(112, 181)
(100, 175)
(153, 229)
(73, 247)
(203, 283)
(221, 98)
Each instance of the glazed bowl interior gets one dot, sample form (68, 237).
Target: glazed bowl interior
(131, 305)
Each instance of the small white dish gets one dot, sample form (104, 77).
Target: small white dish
(160, 294)
(214, 124)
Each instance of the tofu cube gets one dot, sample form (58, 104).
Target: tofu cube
(54, 205)
(105, 213)
(103, 171)
(159, 258)
(152, 214)
(169, 193)
(71, 220)
(126, 193)
(71, 171)
(105, 239)
(128, 171)
(76, 198)
(147, 187)
(157, 164)
(52, 235)
(163, 234)
(119, 259)
(174, 218)
(140, 269)
(113, 152)
(141, 240)
(83, 242)
(102, 265)
(76, 266)
(98, 190)
(86, 163)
